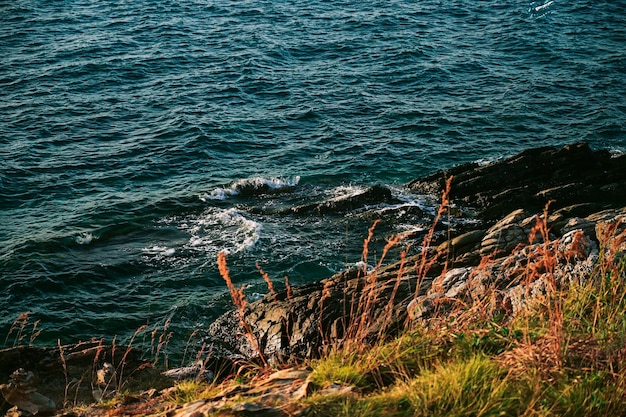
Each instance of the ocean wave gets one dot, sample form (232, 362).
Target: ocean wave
(539, 9)
(159, 251)
(344, 191)
(253, 186)
(218, 230)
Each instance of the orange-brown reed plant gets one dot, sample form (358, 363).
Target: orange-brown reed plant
(20, 324)
(240, 301)
(542, 262)
(360, 325)
(267, 280)
(388, 312)
(366, 244)
(423, 265)
(361, 317)
(287, 287)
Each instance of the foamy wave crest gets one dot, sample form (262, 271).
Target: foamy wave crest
(540, 8)
(222, 230)
(84, 238)
(159, 251)
(345, 191)
(253, 186)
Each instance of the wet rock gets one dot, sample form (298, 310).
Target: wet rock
(574, 174)
(374, 195)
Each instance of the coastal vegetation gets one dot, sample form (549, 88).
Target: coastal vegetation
(566, 355)
(535, 327)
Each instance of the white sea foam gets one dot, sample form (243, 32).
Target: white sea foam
(345, 191)
(159, 251)
(84, 238)
(222, 230)
(539, 9)
(255, 185)
(543, 6)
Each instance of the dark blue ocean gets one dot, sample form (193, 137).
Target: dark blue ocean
(130, 131)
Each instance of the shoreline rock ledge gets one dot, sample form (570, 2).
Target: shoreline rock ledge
(501, 203)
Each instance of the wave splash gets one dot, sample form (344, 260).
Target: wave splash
(253, 186)
(215, 230)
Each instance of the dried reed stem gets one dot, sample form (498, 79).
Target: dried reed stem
(239, 299)
(288, 287)
(20, 321)
(425, 264)
(267, 280)
(366, 243)
(122, 364)
(64, 364)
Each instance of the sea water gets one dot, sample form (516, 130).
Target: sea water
(140, 138)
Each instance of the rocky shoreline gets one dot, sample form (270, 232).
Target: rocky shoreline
(564, 202)
(583, 190)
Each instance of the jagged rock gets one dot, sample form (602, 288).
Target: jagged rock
(252, 409)
(576, 223)
(200, 408)
(520, 277)
(574, 174)
(197, 372)
(462, 244)
(283, 386)
(315, 314)
(508, 233)
(105, 384)
(611, 232)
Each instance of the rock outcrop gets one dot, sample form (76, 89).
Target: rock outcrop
(573, 177)
(36, 380)
(495, 251)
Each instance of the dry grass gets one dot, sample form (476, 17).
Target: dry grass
(240, 301)
(564, 355)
